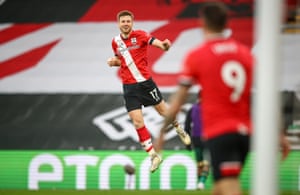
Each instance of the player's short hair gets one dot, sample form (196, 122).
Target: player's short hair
(215, 16)
(124, 13)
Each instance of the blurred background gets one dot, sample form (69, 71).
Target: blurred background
(59, 99)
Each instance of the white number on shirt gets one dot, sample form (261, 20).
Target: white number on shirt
(234, 76)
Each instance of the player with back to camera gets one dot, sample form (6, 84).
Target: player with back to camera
(223, 67)
(130, 49)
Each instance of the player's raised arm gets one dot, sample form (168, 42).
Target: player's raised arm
(164, 45)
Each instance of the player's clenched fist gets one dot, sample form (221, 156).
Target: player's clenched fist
(167, 44)
(114, 61)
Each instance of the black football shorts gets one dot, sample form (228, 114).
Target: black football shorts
(228, 153)
(140, 94)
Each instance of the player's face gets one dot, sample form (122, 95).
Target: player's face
(125, 24)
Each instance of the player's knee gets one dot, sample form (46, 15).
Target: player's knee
(200, 164)
(205, 163)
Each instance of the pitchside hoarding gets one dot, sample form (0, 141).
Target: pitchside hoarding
(105, 170)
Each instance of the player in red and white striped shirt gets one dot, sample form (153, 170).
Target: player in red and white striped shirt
(130, 49)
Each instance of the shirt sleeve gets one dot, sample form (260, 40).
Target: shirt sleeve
(114, 47)
(147, 37)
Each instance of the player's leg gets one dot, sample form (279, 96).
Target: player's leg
(150, 95)
(202, 165)
(136, 117)
(162, 108)
(133, 106)
(145, 138)
(203, 174)
(227, 186)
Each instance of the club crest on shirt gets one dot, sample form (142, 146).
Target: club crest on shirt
(133, 41)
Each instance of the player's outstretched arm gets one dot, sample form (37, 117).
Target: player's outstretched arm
(114, 61)
(164, 45)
